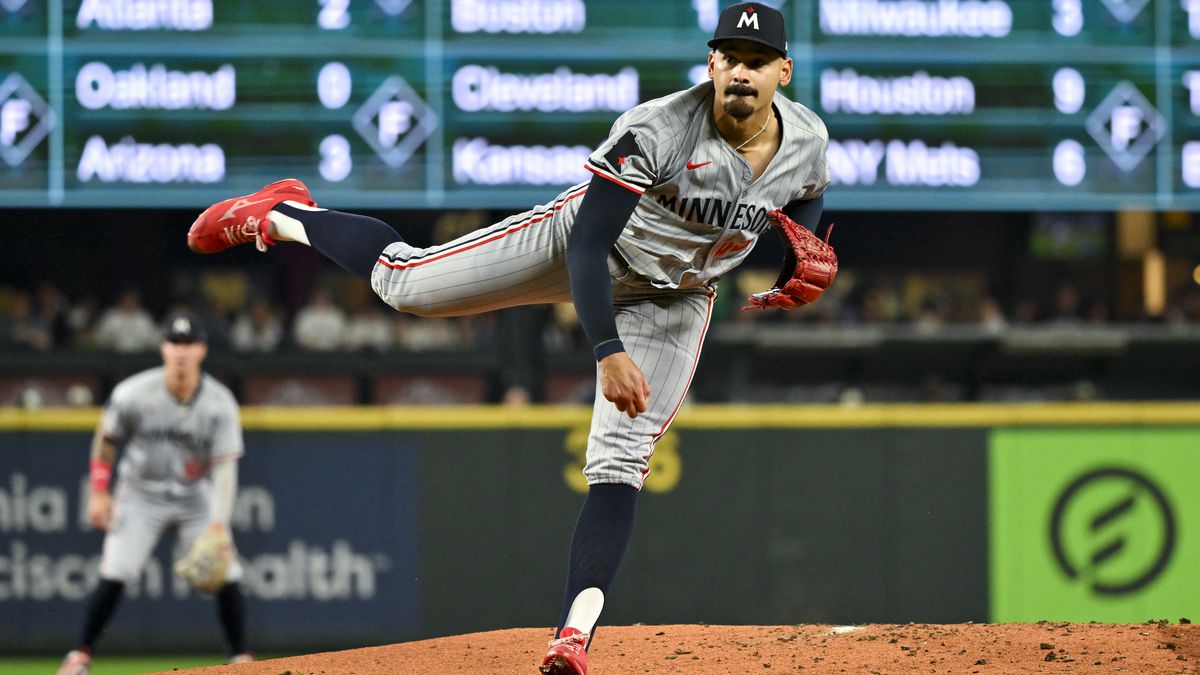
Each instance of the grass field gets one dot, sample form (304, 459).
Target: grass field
(113, 665)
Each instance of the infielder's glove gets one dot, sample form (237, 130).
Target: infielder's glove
(206, 565)
(810, 267)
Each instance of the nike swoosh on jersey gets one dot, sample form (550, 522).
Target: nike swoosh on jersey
(692, 166)
(239, 204)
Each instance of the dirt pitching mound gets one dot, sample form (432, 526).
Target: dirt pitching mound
(1046, 647)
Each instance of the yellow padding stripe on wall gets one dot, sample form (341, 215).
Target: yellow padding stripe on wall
(367, 418)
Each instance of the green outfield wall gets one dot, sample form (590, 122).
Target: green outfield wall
(372, 525)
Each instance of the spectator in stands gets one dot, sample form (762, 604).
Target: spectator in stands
(320, 325)
(81, 320)
(991, 318)
(480, 331)
(516, 396)
(1097, 313)
(930, 318)
(22, 329)
(562, 333)
(127, 327)
(257, 328)
(1185, 308)
(427, 333)
(52, 312)
(1067, 306)
(370, 328)
(1026, 312)
(880, 304)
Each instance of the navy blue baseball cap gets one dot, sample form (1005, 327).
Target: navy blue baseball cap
(752, 21)
(183, 327)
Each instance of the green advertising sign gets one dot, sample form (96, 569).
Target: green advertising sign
(1094, 524)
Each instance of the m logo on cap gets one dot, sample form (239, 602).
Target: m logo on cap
(754, 22)
(182, 326)
(749, 18)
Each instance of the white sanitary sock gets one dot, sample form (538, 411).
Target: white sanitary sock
(287, 228)
(585, 610)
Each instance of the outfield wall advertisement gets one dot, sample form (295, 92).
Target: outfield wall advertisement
(358, 529)
(1094, 524)
(307, 527)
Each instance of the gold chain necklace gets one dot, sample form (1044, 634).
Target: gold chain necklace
(764, 128)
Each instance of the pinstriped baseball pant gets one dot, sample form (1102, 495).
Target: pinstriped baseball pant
(521, 261)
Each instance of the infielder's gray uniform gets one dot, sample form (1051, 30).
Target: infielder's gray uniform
(699, 215)
(166, 449)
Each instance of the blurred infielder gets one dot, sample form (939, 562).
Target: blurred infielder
(682, 189)
(179, 434)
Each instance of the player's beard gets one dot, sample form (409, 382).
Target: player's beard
(739, 108)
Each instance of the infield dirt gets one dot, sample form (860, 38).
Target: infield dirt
(1045, 647)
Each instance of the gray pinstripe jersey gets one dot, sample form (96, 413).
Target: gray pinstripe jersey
(701, 212)
(165, 445)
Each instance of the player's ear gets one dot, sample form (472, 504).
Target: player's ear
(785, 72)
(712, 62)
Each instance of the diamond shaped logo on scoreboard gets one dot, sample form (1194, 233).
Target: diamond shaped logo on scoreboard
(1126, 126)
(12, 6)
(395, 121)
(25, 119)
(1126, 10)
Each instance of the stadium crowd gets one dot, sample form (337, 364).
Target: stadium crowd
(344, 315)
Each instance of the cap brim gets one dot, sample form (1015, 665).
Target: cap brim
(748, 38)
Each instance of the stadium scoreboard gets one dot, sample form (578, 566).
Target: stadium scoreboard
(930, 104)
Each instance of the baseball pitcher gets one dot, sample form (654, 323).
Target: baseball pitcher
(681, 190)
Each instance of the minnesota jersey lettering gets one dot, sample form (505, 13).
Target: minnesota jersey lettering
(718, 212)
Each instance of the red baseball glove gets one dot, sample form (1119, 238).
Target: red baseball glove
(810, 267)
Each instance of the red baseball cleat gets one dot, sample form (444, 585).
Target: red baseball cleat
(567, 655)
(243, 219)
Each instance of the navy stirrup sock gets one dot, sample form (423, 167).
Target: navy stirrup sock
(601, 539)
(103, 604)
(348, 239)
(231, 609)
